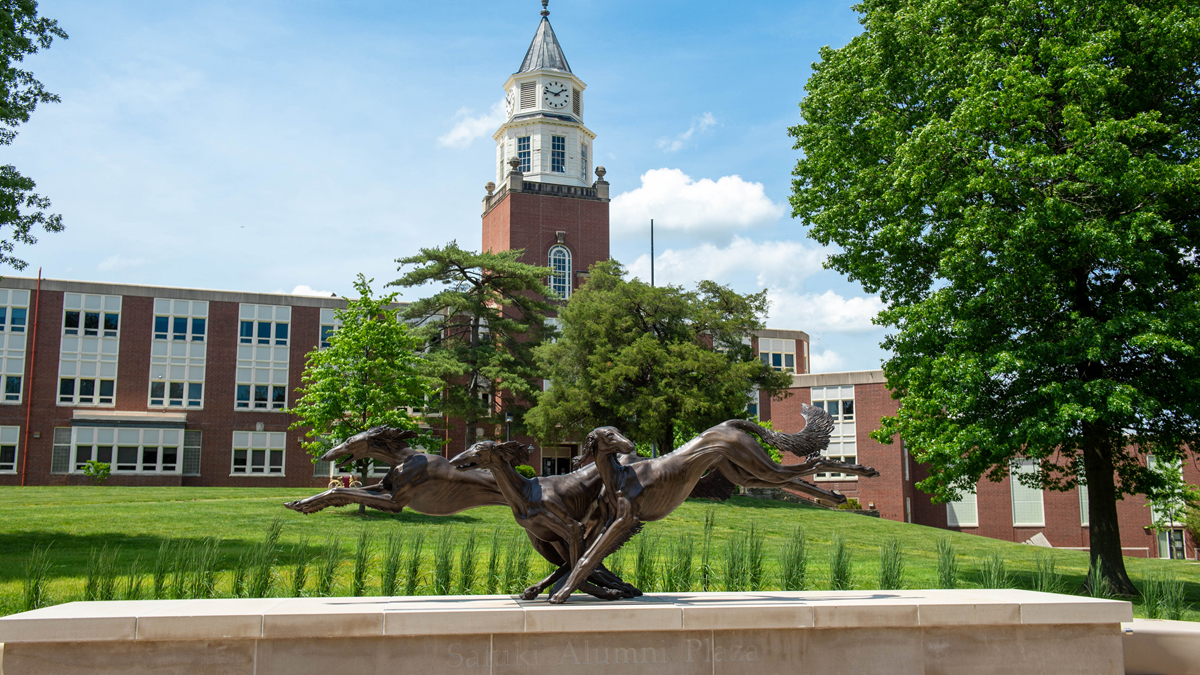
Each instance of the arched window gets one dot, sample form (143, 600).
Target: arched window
(560, 271)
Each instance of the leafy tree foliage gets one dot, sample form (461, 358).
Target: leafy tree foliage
(22, 33)
(1019, 181)
(480, 329)
(652, 361)
(366, 377)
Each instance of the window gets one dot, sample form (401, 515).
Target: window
(1170, 544)
(528, 95)
(583, 160)
(128, 450)
(577, 102)
(1027, 505)
(558, 154)
(9, 437)
(258, 452)
(178, 352)
(14, 307)
(843, 442)
(778, 354)
(89, 348)
(752, 406)
(523, 154)
(560, 272)
(262, 366)
(964, 512)
(329, 323)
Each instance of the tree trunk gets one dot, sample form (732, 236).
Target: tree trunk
(363, 467)
(469, 434)
(1105, 528)
(667, 442)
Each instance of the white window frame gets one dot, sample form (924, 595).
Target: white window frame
(558, 154)
(560, 275)
(178, 359)
(776, 353)
(329, 324)
(964, 511)
(10, 437)
(525, 156)
(843, 441)
(1018, 491)
(1084, 505)
(266, 442)
(14, 322)
(263, 362)
(89, 355)
(105, 444)
(583, 158)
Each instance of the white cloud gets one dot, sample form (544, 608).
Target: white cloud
(119, 262)
(826, 311)
(776, 264)
(469, 127)
(702, 123)
(678, 203)
(827, 361)
(303, 289)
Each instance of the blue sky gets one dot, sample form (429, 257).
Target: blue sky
(273, 146)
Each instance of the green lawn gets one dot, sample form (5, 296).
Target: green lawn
(75, 520)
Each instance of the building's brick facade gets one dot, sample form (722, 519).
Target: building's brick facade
(894, 490)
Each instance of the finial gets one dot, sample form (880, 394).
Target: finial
(490, 187)
(600, 172)
(515, 164)
(545, 12)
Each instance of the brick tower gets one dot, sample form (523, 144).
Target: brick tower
(543, 200)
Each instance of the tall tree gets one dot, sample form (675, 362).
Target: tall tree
(650, 360)
(1019, 181)
(366, 377)
(22, 33)
(480, 329)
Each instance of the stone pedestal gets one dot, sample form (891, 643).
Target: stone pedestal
(886, 632)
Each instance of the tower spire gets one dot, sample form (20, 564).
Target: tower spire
(545, 11)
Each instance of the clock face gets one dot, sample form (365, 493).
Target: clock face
(556, 95)
(508, 102)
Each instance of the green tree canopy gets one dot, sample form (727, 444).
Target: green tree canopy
(650, 360)
(22, 33)
(480, 329)
(366, 377)
(1019, 181)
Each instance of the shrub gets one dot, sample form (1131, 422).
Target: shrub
(362, 563)
(393, 554)
(841, 575)
(947, 564)
(793, 562)
(891, 564)
(851, 504)
(526, 470)
(37, 571)
(98, 472)
(993, 573)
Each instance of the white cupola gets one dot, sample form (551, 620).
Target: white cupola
(544, 126)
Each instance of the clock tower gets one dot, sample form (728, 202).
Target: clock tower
(544, 199)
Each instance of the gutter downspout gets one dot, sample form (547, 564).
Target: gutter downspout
(29, 382)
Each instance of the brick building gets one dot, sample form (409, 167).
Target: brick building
(1004, 510)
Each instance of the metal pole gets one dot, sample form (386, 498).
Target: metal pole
(652, 253)
(29, 380)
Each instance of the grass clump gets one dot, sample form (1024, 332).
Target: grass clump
(327, 568)
(891, 564)
(841, 576)
(132, 589)
(162, 569)
(393, 556)
(443, 561)
(678, 569)
(993, 571)
(793, 562)
(645, 567)
(707, 573)
(303, 559)
(754, 558)
(413, 561)
(1045, 577)
(947, 564)
(362, 563)
(262, 559)
(491, 579)
(467, 563)
(37, 575)
(101, 580)
(1096, 585)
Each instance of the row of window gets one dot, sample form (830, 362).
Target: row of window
(558, 155)
(778, 354)
(150, 450)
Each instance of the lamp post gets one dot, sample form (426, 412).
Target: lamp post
(508, 426)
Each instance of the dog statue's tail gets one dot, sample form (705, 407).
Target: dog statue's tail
(809, 442)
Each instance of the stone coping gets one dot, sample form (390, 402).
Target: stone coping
(283, 618)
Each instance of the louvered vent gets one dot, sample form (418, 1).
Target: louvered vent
(528, 95)
(577, 102)
(191, 452)
(60, 457)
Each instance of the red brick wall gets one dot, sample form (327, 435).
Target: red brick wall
(529, 221)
